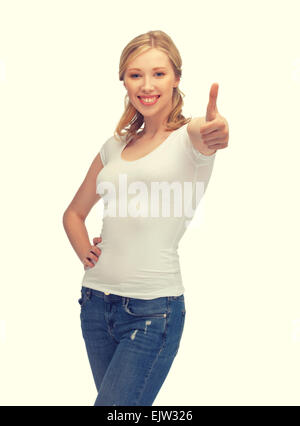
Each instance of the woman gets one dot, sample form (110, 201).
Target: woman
(132, 303)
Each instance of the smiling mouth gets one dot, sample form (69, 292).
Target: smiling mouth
(151, 100)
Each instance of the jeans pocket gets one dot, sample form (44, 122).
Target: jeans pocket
(181, 297)
(181, 300)
(153, 308)
(180, 331)
(85, 296)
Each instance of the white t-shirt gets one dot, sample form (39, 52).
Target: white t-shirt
(141, 227)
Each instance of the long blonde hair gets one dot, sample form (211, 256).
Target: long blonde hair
(132, 119)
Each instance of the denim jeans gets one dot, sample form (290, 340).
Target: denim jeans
(131, 344)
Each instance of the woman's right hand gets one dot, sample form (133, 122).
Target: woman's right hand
(93, 254)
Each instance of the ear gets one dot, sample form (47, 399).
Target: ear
(177, 81)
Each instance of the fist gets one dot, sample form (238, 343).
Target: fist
(93, 254)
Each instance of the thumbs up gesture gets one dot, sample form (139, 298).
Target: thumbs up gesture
(209, 133)
(212, 110)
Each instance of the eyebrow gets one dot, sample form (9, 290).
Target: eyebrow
(156, 68)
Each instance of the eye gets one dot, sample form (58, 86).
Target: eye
(132, 75)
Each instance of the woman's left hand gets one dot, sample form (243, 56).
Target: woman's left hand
(214, 128)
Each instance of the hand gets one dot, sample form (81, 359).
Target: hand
(93, 254)
(214, 129)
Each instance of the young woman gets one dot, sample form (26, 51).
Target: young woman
(132, 303)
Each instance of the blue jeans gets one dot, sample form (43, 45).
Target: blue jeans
(131, 344)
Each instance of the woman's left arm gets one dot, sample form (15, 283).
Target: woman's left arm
(209, 133)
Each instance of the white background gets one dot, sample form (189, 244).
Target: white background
(60, 99)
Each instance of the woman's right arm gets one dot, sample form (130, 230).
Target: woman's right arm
(75, 215)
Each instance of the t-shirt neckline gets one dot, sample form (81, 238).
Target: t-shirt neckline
(149, 153)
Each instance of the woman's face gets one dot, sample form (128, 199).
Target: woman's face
(147, 75)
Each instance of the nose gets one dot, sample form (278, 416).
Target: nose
(147, 86)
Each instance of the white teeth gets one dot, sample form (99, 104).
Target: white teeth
(149, 99)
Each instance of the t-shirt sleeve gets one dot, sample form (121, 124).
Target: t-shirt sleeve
(103, 154)
(197, 157)
(106, 150)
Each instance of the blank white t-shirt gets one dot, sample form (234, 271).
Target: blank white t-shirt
(141, 226)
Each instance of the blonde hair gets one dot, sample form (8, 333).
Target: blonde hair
(132, 119)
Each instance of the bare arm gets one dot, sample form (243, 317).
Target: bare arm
(75, 215)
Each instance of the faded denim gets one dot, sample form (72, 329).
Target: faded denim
(131, 344)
